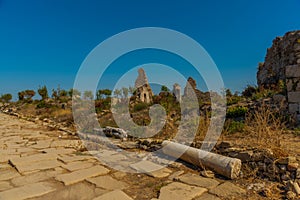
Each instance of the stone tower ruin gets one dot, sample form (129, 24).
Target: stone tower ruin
(143, 90)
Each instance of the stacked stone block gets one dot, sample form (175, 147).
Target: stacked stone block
(292, 75)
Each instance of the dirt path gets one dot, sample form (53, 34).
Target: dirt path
(39, 164)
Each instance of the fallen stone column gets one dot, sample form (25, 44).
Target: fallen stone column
(226, 166)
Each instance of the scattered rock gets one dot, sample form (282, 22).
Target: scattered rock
(292, 166)
(287, 160)
(291, 195)
(244, 156)
(207, 174)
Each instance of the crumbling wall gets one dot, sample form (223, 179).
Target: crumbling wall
(282, 65)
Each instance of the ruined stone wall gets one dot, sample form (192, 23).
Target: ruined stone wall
(292, 73)
(282, 64)
(143, 90)
(285, 51)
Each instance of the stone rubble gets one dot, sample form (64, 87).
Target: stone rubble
(54, 171)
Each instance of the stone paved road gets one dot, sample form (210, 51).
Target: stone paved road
(37, 164)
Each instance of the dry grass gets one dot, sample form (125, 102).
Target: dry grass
(204, 123)
(62, 115)
(264, 127)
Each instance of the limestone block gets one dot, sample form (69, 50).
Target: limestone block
(294, 97)
(292, 71)
(293, 108)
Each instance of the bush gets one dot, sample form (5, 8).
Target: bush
(43, 104)
(6, 98)
(234, 127)
(249, 91)
(139, 107)
(234, 112)
(43, 92)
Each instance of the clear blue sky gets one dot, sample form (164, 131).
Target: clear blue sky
(45, 42)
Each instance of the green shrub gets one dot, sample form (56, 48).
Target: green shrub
(139, 107)
(43, 104)
(234, 112)
(234, 127)
(249, 91)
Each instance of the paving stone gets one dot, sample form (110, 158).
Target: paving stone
(4, 185)
(112, 157)
(73, 158)
(73, 166)
(42, 144)
(27, 191)
(80, 175)
(193, 179)
(107, 182)
(8, 173)
(4, 166)
(151, 169)
(227, 190)
(78, 191)
(114, 195)
(38, 165)
(175, 175)
(207, 196)
(34, 177)
(180, 191)
(31, 159)
(119, 174)
(66, 143)
(58, 151)
(5, 158)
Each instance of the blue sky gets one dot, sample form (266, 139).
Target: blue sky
(45, 42)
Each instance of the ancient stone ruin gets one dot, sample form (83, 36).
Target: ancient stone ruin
(281, 70)
(143, 90)
(176, 92)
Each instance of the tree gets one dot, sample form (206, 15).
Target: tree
(100, 93)
(6, 98)
(131, 90)
(63, 93)
(107, 92)
(43, 92)
(28, 94)
(164, 88)
(88, 95)
(74, 92)
(21, 95)
(228, 93)
(117, 93)
(125, 92)
(54, 94)
(249, 91)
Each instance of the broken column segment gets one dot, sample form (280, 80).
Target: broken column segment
(226, 166)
